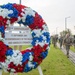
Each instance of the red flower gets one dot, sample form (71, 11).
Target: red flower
(19, 8)
(45, 47)
(1, 18)
(37, 50)
(37, 53)
(38, 22)
(3, 35)
(24, 51)
(2, 58)
(12, 20)
(38, 59)
(18, 68)
(3, 21)
(3, 49)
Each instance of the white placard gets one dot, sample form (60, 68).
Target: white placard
(17, 28)
(18, 36)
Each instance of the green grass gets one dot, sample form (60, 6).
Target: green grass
(72, 48)
(23, 47)
(56, 63)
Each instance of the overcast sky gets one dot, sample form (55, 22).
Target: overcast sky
(53, 12)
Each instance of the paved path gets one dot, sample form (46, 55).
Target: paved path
(71, 54)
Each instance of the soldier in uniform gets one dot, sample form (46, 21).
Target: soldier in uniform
(67, 42)
(74, 41)
(61, 41)
(55, 40)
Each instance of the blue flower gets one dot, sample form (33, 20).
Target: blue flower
(34, 41)
(9, 52)
(48, 40)
(2, 29)
(29, 20)
(35, 64)
(21, 22)
(25, 57)
(9, 6)
(46, 34)
(47, 37)
(40, 39)
(44, 54)
(33, 34)
(14, 14)
(27, 68)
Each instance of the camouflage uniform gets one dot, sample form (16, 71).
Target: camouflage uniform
(74, 41)
(54, 41)
(67, 42)
(61, 41)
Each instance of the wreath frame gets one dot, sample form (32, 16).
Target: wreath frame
(26, 60)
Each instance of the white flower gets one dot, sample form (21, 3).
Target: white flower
(45, 28)
(29, 11)
(44, 37)
(19, 18)
(30, 57)
(37, 32)
(8, 22)
(23, 18)
(1, 39)
(4, 12)
(16, 57)
(41, 43)
(8, 57)
(30, 65)
(13, 70)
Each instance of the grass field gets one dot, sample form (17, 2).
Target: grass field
(72, 48)
(56, 63)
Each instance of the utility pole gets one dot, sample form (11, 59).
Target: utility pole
(66, 22)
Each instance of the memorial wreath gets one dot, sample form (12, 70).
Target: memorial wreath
(25, 60)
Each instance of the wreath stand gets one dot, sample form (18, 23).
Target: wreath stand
(0, 72)
(40, 70)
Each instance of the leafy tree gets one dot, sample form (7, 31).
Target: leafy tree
(64, 32)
